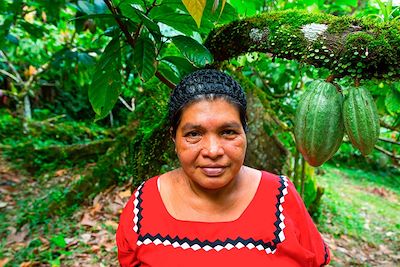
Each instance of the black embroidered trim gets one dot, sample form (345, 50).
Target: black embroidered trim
(325, 256)
(140, 208)
(250, 242)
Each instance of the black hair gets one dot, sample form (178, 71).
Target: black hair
(206, 84)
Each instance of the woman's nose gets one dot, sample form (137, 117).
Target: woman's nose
(212, 147)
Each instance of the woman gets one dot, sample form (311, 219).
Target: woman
(213, 210)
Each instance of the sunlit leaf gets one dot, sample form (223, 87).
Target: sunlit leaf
(58, 241)
(86, 7)
(193, 50)
(106, 83)
(347, 3)
(128, 11)
(144, 58)
(195, 9)
(180, 22)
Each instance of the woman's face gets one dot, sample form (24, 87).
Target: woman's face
(210, 143)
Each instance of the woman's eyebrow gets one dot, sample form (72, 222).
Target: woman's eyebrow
(231, 124)
(190, 126)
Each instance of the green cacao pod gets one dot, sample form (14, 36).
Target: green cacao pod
(318, 127)
(361, 120)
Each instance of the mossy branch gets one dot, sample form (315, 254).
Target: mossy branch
(347, 46)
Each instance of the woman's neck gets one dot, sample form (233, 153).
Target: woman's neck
(187, 200)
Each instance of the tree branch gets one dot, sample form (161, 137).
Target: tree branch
(389, 141)
(392, 155)
(122, 26)
(130, 108)
(10, 75)
(345, 45)
(163, 79)
(387, 126)
(11, 66)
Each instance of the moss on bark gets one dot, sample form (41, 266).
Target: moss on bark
(347, 46)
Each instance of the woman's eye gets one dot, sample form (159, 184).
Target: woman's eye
(228, 133)
(192, 134)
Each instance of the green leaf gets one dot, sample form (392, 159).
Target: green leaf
(247, 8)
(180, 22)
(106, 83)
(86, 7)
(224, 14)
(144, 58)
(180, 65)
(150, 25)
(195, 9)
(392, 101)
(34, 30)
(59, 241)
(128, 11)
(193, 50)
(352, 3)
(168, 72)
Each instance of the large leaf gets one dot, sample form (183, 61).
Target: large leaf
(195, 9)
(144, 57)
(180, 65)
(106, 83)
(128, 11)
(150, 25)
(167, 15)
(168, 72)
(195, 52)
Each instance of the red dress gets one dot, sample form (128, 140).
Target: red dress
(274, 230)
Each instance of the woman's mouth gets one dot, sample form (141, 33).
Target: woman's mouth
(213, 171)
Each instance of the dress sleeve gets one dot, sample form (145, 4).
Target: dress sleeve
(126, 237)
(308, 234)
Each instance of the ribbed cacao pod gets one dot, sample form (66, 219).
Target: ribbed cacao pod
(361, 120)
(318, 127)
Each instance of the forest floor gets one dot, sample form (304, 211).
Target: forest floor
(87, 237)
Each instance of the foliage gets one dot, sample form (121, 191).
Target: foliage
(67, 57)
(356, 209)
(32, 149)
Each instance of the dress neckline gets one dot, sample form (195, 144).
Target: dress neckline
(246, 211)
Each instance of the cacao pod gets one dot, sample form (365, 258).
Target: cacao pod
(361, 120)
(318, 127)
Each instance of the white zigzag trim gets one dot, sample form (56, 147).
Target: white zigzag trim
(227, 246)
(136, 209)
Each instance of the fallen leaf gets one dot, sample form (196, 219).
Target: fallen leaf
(113, 224)
(4, 262)
(125, 194)
(109, 246)
(97, 198)
(87, 220)
(96, 208)
(114, 208)
(95, 248)
(26, 264)
(85, 237)
(17, 236)
(3, 204)
(61, 172)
